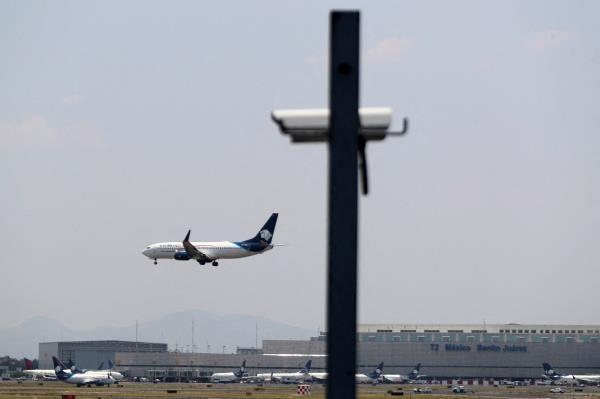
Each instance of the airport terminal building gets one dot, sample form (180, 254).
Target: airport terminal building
(465, 351)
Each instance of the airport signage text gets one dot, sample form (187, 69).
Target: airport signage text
(479, 348)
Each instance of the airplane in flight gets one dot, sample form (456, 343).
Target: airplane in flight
(84, 377)
(298, 376)
(398, 378)
(232, 376)
(371, 378)
(210, 252)
(569, 378)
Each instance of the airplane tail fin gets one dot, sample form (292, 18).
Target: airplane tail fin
(59, 368)
(101, 366)
(265, 234)
(415, 372)
(240, 372)
(548, 369)
(28, 364)
(306, 368)
(111, 365)
(378, 370)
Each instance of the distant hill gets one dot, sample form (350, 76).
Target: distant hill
(175, 329)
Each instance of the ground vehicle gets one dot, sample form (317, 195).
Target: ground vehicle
(422, 390)
(458, 389)
(557, 390)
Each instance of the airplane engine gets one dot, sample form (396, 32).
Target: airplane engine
(182, 255)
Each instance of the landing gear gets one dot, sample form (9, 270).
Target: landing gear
(155, 262)
(201, 262)
(215, 263)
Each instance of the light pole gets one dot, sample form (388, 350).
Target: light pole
(347, 130)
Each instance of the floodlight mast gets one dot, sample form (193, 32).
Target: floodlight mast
(347, 130)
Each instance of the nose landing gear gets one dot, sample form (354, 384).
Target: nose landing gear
(215, 263)
(155, 262)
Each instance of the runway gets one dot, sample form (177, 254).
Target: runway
(54, 390)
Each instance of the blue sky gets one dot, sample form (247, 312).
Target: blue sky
(126, 123)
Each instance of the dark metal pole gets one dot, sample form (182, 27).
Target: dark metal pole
(343, 204)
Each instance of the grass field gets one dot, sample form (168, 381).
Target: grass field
(55, 390)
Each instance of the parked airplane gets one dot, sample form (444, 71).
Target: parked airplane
(569, 378)
(398, 378)
(371, 378)
(232, 376)
(84, 377)
(298, 376)
(204, 252)
(47, 375)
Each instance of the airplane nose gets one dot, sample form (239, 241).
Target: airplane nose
(146, 252)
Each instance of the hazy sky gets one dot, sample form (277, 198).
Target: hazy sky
(126, 123)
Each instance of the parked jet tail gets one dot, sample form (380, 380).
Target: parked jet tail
(240, 372)
(549, 371)
(28, 364)
(377, 372)
(415, 372)
(111, 365)
(59, 369)
(306, 368)
(265, 235)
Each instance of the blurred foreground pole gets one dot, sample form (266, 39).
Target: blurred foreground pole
(343, 204)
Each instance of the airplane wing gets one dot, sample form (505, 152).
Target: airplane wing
(192, 250)
(587, 379)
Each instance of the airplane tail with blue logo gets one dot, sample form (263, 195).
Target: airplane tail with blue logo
(240, 372)
(265, 234)
(306, 368)
(59, 369)
(549, 371)
(377, 372)
(415, 372)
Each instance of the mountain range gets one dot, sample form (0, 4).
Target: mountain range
(212, 333)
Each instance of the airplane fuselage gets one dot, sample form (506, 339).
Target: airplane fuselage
(213, 250)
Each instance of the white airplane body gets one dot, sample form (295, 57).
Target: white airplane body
(399, 378)
(371, 378)
(210, 252)
(553, 376)
(229, 376)
(84, 377)
(320, 376)
(299, 376)
(41, 373)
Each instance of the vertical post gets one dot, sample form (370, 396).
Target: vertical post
(343, 204)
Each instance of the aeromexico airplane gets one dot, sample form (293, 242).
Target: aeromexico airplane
(207, 252)
(399, 378)
(84, 377)
(569, 378)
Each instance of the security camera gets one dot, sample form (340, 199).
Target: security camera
(309, 125)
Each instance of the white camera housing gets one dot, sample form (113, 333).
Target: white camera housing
(308, 125)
